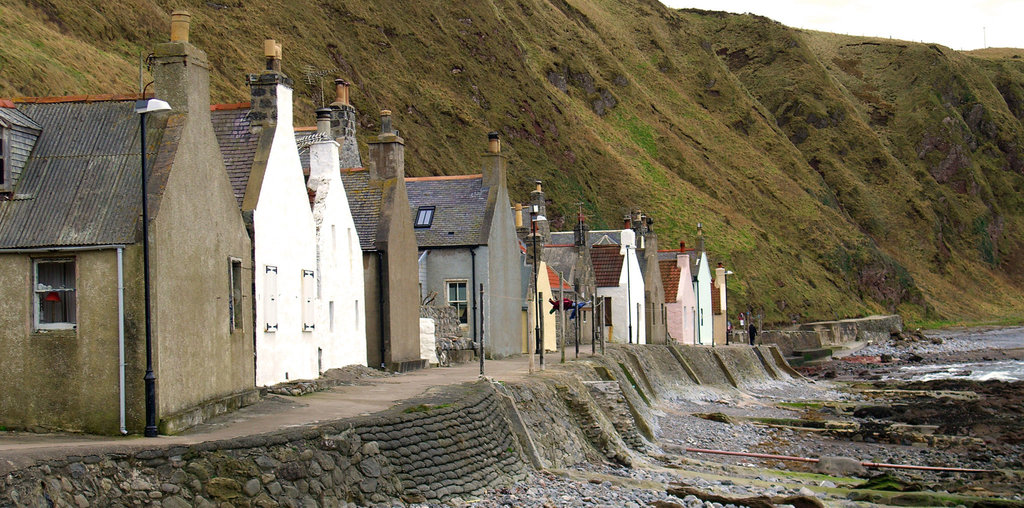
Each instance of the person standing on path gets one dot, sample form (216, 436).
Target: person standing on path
(752, 332)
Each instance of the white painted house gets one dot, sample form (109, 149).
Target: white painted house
(702, 290)
(621, 283)
(258, 145)
(340, 321)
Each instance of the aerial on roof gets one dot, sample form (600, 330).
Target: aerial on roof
(80, 185)
(459, 206)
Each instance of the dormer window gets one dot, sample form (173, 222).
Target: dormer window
(5, 158)
(424, 216)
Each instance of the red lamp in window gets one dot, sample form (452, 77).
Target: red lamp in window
(52, 296)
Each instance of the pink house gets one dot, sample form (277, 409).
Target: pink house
(680, 302)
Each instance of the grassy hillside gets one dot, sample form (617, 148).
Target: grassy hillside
(837, 176)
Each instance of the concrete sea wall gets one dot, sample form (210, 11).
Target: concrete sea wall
(452, 441)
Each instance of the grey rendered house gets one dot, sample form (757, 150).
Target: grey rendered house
(467, 238)
(71, 281)
(380, 208)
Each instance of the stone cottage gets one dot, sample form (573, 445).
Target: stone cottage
(655, 313)
(258, 146)
(467, 238)
(72, 321)
(380, 208)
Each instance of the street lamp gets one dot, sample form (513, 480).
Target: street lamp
(534, 218)
(143, 107)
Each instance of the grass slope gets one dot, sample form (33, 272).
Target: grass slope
(837, 176)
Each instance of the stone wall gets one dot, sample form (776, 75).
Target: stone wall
(789, 340)
(461, 444)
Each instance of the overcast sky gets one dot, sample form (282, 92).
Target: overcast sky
(969, 24)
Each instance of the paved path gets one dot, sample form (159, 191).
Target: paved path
(20, 449)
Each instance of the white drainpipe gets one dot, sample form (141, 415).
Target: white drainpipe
(120, 332)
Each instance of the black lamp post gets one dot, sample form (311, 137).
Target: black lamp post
(143, 107)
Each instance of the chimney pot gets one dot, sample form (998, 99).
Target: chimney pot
(519, 215)
(538, 185)
(385, 122)
(682, 246)
(277, 51)
(493, 143)
(323, 121)
(341, 91)
(180, 21)
(269, 48)
(627, 222)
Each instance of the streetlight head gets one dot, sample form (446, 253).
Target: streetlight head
(539, 218)
(143, 106)
(728, 272)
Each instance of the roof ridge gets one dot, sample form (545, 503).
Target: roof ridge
(352, 170)
(560, 245)
(441, 177)
(110, 97)
(229, 107)
(304, 128)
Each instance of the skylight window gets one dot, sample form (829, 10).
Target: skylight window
(424, 216)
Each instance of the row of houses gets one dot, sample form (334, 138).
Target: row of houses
(275, 253)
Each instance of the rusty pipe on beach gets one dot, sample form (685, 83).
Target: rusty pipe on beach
(865, 464)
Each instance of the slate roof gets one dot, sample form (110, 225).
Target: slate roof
(237, 143)
(460, 206)
(607, 264)
(364, 200)
(80, 186)
(670, 274)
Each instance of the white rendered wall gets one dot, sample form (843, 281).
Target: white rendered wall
(633, 282)
(341, 313)
(285, 237)
(703, 303)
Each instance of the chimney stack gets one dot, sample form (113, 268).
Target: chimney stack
(181, 72)
(343, 125)
(387, 152)
(323, 155)
(537, 198)
(682, 246)
(519, 215)
(493, 163)
(270, 91)
(180, 21)
(700, 237)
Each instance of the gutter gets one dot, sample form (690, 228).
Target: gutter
(77, 248)
(380, 306)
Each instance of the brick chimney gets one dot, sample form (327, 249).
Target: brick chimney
(270, 91)
(387, 152)
(493, 163)
(343, 125)
(181, 71)
(323, 154)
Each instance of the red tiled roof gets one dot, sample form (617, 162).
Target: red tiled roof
(6, 103)
(607, 264)
(109, 97)
(306, 129)
(670, 274)
(554, 279)
(716, 299)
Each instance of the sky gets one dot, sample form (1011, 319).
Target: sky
(963, 25)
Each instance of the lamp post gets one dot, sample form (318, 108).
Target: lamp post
(629, 295)
(143, 107)
(534, 218)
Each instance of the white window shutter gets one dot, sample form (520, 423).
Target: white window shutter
(270, 297)
(308, 282)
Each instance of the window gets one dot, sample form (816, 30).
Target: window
(308, 283)
(54, 294)
(356, 319)
(424, 216)
(235, 294)
(457, 299)
(607, 311)
(330, 316)
(270, 299)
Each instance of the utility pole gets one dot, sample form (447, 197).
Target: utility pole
(561, 317)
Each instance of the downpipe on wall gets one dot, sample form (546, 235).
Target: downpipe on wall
(120, 336)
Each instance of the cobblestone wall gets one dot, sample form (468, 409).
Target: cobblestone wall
(460, 446)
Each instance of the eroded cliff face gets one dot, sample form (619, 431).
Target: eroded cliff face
(835, 175)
